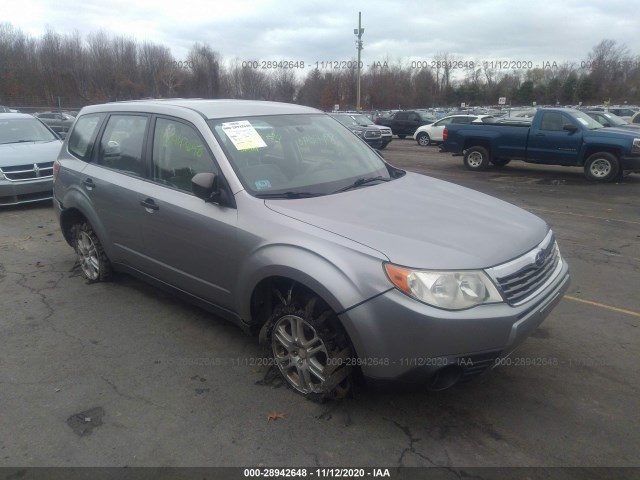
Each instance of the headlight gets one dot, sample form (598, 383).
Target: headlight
(448, 290)
(635, 148)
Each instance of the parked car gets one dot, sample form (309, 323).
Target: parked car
(58, 122)
(28, 149)
(4, 109)
(626, 113)
(556, 136)
(608, 119)
(277, 218)
(371, 135)
(365, 121)
(405, 122)
(432, 133)
(635, 119)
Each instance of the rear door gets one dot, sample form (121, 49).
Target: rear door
(189, 244)
(112, 181)
(550, 143)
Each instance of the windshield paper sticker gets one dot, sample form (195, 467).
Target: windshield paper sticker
(262, 184)
(243, 135)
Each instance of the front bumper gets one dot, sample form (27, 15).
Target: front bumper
(14, 193)
(631, 164)
(400, 339)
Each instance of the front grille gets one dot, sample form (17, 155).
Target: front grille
(28, 172)
(520, 285)
(526, 276)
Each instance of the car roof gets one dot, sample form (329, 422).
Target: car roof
(13, 116)
(209, 109)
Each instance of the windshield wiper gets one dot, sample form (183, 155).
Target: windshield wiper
(288, 195)
(363, 181)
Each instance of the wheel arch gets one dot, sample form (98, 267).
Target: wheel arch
(591, 149)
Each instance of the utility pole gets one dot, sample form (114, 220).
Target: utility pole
(358, 32)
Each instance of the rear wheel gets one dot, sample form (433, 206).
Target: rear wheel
(476, 158)
(423, 139)
(310, 348)
(94, 264)
(602, 167)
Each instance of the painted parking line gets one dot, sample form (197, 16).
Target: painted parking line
(602, 305)
(544, 210)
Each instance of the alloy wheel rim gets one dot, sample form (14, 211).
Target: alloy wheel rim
(88, 256)
(300, 353)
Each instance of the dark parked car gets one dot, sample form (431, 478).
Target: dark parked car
(27, 152)
(405, 122)
(278, 218)
(58, 122)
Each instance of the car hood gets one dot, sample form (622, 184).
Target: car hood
(421, 222)
(28, 153)
(614, 132)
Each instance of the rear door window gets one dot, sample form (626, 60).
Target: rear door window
(122, 142)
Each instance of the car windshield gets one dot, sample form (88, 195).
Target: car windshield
(19, 130)
(586, 120)
(362, 120)
(296, 155)
(346, 120)
(614, 120)
(427, 118)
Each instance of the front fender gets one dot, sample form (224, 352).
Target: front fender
(340, 276)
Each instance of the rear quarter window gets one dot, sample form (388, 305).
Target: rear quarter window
(83, 136)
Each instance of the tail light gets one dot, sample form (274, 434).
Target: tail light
(56, 168)
(445, 134)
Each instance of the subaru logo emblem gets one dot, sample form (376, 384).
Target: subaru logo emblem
(540, 258)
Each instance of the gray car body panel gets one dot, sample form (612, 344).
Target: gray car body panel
(336, 245)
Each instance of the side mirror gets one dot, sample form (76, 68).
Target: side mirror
(207, 186)
(570, 127)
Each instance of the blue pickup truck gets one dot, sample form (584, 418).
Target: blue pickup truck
(555, 136)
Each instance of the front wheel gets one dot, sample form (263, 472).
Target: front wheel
(94, 264)
(476, 158)
(423, 139)
(602, 167)
(311, 349)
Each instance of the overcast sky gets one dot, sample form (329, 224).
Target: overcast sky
(310, 31)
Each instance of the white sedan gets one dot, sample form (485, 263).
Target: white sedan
(427, 134)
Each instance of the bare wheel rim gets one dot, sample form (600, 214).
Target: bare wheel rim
(88, 256)
(474, 159)
(300, 353)
(600, 168)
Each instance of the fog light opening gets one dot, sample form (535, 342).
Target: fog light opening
(445, 378)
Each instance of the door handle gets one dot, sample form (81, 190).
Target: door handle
(149, 204)
(89, 184)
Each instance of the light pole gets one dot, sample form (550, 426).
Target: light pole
(358, 32)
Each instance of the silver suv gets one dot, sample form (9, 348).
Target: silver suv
(278, 218)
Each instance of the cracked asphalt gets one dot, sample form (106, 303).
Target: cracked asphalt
(120, 374)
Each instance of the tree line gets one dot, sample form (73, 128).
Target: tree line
(73, 71)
